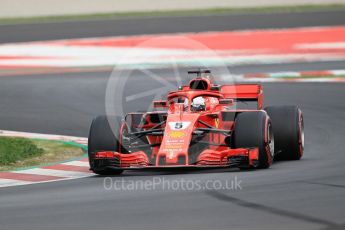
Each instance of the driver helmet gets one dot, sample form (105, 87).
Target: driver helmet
(198, 104)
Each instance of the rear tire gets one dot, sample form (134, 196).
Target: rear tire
(104, 135)
(288, 128)
(254, 130)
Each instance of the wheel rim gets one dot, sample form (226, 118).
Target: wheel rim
(302, 132)
(270, 139)
(125, 140)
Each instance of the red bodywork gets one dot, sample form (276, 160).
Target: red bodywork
(170, 142)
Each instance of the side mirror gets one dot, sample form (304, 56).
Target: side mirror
(160, 104)
(226, 101)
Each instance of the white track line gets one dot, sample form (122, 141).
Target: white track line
(53, 172)
(338, 72)
(78, 163)
(6, 133)
(10, 182)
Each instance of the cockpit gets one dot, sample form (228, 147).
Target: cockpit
(195, 103)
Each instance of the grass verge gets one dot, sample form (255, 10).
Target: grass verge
(172, 13)
(18, 153)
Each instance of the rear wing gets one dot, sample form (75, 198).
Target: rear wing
(247, 92)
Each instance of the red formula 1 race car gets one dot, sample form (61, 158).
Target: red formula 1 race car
(201, 125)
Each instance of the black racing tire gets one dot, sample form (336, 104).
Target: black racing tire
(103, 136)
(254, 130)
(288, 129)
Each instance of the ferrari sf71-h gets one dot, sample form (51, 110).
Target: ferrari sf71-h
(200, 125)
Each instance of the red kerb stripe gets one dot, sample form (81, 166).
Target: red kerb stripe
(68, 168)
(27, 177)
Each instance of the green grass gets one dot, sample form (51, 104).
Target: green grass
(172, 13)
(15, 149)
(18, 153)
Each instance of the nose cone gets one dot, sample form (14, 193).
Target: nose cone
(177, 136)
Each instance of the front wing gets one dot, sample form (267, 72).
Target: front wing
(241, 157)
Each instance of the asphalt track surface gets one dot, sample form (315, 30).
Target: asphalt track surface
(307, 194)
(101, 28)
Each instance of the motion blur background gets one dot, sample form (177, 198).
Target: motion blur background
(34, 8)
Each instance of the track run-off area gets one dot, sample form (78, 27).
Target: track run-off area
(233, 48)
